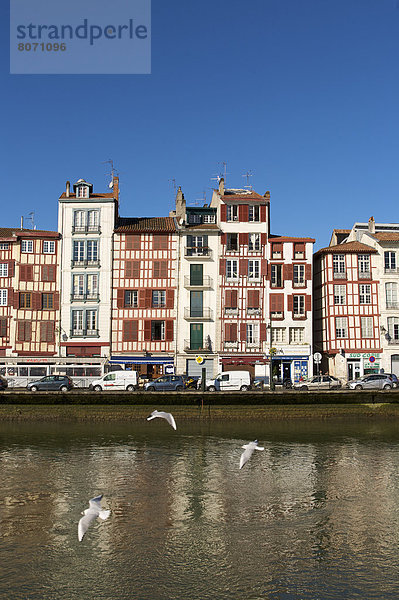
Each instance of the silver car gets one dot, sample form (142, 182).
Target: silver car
(371, 382)
(319, 382)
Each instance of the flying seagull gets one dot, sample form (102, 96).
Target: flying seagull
(90, 514)
(164, 415)
(248, 451)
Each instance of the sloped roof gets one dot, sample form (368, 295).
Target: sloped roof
(91, 197)
(145, 225)
(387, 236)
(9, 232)
(348, 248)
(242, 196)
(287, 238)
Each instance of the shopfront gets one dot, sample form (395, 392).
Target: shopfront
(362, 363)
(292, 367)
(148, 367)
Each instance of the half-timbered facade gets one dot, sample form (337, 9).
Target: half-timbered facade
(145, 263)
(29, 292)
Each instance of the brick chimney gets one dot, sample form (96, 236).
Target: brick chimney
(115, 186)
(371, 225)
(180, 205)
(68, 189)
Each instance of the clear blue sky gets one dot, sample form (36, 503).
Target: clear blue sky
(305, 93)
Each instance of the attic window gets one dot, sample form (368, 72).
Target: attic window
(83, 191)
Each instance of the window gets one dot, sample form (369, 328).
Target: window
(48, 247)
(299, 275)
(253, 269)
(79, 220)
(92, 251)
(130, 331)
(278, 335)
(83, 251)
(390, 261)
(82, 191)
(27, 246)
(3, 269)
(160, 242)
(91, 321)
(341, 327)
(298, 303)
(363, 261)
(252, 334)
(92, 286)
(276, 276)
(232, 241)
(4, 245)
(197, 245)
(253, 214)
(339, 264)
(132, 269)
(231, 297)
(232, 213)
(393, 327)
(299, 251)
(194, 219)
(391, 294)
(47, 301)
(48, 273)
(47, 331)
(130, 299)
(78, 251)
(339, 294)
(25, 300)
(157, 330)
(277, 250)
(77, 322)
(24, 331)
(160, 269)
(158, 298)
(297, 335)
(93, 218)
(208, 219)
(3, 297)
(254, 242)
(78, 286)
(231, 269)
(365, 294)
(367, 327)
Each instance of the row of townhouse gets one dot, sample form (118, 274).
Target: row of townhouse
(206, 287)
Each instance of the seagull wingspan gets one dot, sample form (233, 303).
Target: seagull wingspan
(85, 521)
(245, 456)
(163, 415)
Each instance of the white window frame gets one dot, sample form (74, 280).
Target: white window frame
(254, 269)
(231, 269)
(278, 335)
(3, 297)
(391, 294)
(92, 284)
(93, 245)
(231, 212)
(389, 260)
(341, 327)
(253, 213)
(48, 247)
(82, 191)
(339, 263)
(339, 294)
(4, 246)
(254, 242)
(252, 334)
(297, 335)
(298, 305)
(366, 327)
(3, 269)
(393, 327)
(363, 261)
(299, 274)
(78, 284)
(134, 299)
(91, 319)
(364, 293)
(208, 219)
(26, 246)
(158, 299)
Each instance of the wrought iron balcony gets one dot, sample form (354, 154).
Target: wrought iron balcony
(85, 263)
(340, 275)
(85, 297)
(84, 333)
(86, 229)
(206, 282)
(198, 314)
(365, 275)
(198, 251)
(195, 347)
(392, 305)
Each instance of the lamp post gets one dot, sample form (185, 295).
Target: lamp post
(272, 352)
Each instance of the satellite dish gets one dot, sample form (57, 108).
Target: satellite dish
(181, 221)
(111, 184)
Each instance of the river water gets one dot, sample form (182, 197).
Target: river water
(314, 516)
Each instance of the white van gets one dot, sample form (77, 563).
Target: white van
(230, 381)
(116, 380)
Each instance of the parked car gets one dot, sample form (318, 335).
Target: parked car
(228, 381)
(116, 380)
(166, 383)
(3, 383)
(394, 378)
(371, 382)
(319, 382)
(51, 383)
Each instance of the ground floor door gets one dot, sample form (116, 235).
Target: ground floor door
(354, 371)
(395, 364)
(194, 369)
(196, 336)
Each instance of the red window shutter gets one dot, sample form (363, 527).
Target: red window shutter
(263, 332)
(133, 242)
(223, 212)
(48, 273)
(155, 242)
(11, 268)
(276, 302)
(164, 269)
(10, 297)
(243, 213)
(135, 269)
(263, 268)
(129, 242)
(52, 272)
(160, 242)
(223, 239)
(233, 332)
(234, 298)
(3, 327)
(308, 302)
(29, 272)
(243, 266)
(120, 298)
(128, 269)
(288, 272)
(143, 299)
(156, 269)
(253, 299)
(227, 299)
(227, 332)
(222, 267)
(147, 331)
(308, 272)
(170, 298)
(22, 272)
(243, 237)
(263, 239)
(263, 213)
(56, 301)
(148, 298)
(28, 331)
(129, 331)
(15, 299)
(243, 332)
(290, 301)
(36, 302)
(169, 331)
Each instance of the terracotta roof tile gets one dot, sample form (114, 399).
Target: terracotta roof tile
(92, 196)
(203, 226)
(387, 236)
(348, 248)
(286, 238)
(146, 225)
(10, 232)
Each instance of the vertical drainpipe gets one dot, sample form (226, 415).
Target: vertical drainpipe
(177, 290)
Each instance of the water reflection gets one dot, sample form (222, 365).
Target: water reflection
(313, 516)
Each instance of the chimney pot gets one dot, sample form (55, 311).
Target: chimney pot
(68, 189)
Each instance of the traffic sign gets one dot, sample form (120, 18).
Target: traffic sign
(199, 360)
(317, 358)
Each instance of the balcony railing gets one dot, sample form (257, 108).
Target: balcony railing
(392, 271)
(84, 333)
(365, 275)
(393, 342)
(340, 275)
(206, 282)
(230, 344)
(392, 305)
(198, 251)
(299, 284)
(196, 347)
(229, 310)
(204, 314)
(253, 311)
(85, 263)
(277, 315)
(86, 229)
(85, 297)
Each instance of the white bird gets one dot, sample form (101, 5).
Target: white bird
(90, 514)
(164, 415)
(248, 451)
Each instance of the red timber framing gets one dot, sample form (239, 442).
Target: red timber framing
(144, 288)
(29, 318)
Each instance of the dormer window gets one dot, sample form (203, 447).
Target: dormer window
(82, 191)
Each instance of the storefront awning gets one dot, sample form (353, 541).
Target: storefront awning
(144, 360)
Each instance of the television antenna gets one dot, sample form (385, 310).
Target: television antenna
(222, 172)
(31, 218)
(248, 175)
(112, 173)
(173, 184)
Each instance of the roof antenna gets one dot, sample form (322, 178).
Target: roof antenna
(173, 183)
(222, 172)
(31, 218)
(113, 172)
(248, 175)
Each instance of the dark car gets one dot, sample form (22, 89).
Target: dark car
(191, 381)
(3, 383)
(51, 383)
(166, 383)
